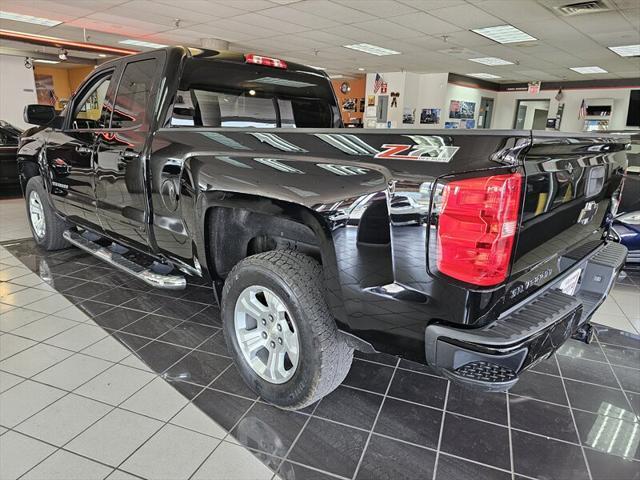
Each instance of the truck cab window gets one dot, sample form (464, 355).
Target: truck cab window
(91, 111)
(226, 94)
(133, 95)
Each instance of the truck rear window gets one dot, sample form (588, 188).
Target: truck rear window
(226, 94)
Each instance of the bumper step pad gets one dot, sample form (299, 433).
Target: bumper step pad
(484, 376)
(490, 358)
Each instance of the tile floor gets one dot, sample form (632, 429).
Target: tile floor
(102, 377)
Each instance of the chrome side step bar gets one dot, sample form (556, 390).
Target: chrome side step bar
(168, 282)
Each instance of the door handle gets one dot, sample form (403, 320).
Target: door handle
(84, 150)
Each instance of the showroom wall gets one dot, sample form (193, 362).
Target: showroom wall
(431, 91)
(505, 107)
(17, 89)
(435, 91)
(356, 93)
(65, 79)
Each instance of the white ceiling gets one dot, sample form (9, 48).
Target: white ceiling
(433, 35)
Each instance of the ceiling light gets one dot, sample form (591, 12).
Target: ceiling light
(483, 75)
(102, 55)
(60, 43)
(504, 34)
(42, 60)
(28, 19)
(586, 70)
(63, 54)
(360, 69)
(140, 43)
(371, 49)
(491, 61)
(627, 50)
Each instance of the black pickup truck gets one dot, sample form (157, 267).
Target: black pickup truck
(476, 252)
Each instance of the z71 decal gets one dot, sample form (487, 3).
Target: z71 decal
(429, 149)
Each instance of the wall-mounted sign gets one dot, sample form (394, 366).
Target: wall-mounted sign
(349, 105)
(371, 100)
(533, 87)
(394, 99)
(383, 87)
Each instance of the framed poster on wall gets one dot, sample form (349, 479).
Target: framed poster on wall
(409, 115)
(430, 116)
(462, 109)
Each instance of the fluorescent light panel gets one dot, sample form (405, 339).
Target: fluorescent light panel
(504, 34)
(587, 70)
(372, 49)
(483, 75)
(627, 50)
(491, 61)
(141, 43)
(42, 60)
(17, 17)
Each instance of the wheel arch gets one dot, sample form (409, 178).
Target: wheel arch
(250, 224)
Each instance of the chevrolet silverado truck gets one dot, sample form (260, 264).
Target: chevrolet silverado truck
(476, 252)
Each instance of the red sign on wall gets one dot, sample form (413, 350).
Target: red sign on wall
(383, 87)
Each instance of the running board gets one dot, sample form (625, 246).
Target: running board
(168, 282)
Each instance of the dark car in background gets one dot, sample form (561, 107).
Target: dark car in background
(9, 138)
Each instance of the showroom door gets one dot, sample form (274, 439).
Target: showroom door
(70, 152)
(120, 188)
(486, 112)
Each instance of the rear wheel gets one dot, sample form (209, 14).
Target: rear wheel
(279, 329)
(46, 226)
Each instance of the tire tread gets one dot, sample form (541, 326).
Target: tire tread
(304, 276)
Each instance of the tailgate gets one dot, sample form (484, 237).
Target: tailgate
(570, 182)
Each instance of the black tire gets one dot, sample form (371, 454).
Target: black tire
(54, 224)
(325, 358)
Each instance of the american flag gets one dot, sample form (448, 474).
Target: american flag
(378, 83)
(583, 110)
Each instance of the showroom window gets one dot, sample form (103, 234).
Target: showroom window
(134, 92)
(91, 111)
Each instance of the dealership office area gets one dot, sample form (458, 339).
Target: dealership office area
(320, 239)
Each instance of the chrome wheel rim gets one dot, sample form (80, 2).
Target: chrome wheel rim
(36, 215)
(267, 334)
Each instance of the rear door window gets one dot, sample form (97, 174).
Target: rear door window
(134, 93)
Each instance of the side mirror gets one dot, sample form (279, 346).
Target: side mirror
(39, 114)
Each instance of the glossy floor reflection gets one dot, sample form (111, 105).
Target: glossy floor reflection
(574, 417)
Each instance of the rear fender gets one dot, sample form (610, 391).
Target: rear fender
(270, 217)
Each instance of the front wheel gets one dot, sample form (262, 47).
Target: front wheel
(46, 226)
(280, 331)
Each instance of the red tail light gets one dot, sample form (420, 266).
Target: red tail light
(266, 61)
(476, 227)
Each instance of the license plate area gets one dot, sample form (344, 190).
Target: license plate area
(570, 284)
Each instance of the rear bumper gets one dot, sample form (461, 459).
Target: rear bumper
(493, 356)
